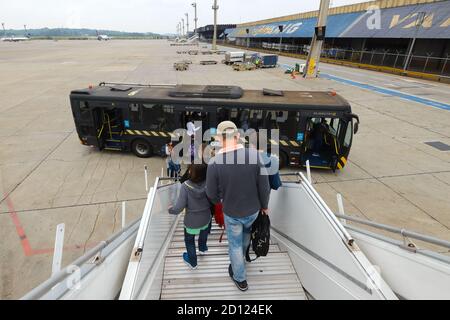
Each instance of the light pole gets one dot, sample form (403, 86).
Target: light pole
(215, 8)
(312, 64)
(281, 27)
(182, 23)
(195, 16)
(247, 31)
(419, 22)
(187, 24)
(4, 31)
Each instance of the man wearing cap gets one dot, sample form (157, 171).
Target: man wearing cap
(235, 177)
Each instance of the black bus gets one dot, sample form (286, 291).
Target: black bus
(314, 126)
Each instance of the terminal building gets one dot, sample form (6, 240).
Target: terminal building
(409, 34)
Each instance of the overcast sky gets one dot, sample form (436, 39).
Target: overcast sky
(160, 16)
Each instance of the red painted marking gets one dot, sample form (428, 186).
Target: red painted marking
(19, 229)
(66, 249)
(28, 251)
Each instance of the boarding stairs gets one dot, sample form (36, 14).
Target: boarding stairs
(314, 254)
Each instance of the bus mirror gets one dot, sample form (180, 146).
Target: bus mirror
(356, 127)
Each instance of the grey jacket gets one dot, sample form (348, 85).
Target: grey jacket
(242, 187)
(198, 208)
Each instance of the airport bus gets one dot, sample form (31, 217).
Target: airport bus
(314, 126)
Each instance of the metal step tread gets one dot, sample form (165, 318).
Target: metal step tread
(212, 250)
(271, 277)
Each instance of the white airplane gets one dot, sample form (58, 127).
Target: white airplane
(14, 39)
(101, 37)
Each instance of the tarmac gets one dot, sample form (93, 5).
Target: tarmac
(47, 177)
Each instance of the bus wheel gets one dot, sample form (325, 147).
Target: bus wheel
(141, 148)
(283, 160)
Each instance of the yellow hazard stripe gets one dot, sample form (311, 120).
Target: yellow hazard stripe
(273, 142)
(339, 165)
(344, 161)
(162, 134)
(284, 143)
(154, 133)
(294, 143)
(129, 132)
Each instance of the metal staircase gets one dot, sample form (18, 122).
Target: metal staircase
(271, 277)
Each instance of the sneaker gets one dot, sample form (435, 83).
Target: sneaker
(243, 286)
(186, 260)
(203, 252)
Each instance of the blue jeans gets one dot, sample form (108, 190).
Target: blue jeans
(189, 241)
(238, 233)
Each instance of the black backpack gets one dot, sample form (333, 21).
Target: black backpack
(260, 237)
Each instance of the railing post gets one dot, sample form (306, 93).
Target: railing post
(146, 178)
(396, 58)
(361, 57)
(384, 57)
(445, 63)
(426, 61)
(58, 250)
(371, 58)
(308, 172)
(123, 215)
(341, 208)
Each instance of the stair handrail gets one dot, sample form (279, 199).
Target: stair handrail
(400, 231)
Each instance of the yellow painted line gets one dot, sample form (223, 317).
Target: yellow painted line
(154, 133)
(294, 143)
(284, 143)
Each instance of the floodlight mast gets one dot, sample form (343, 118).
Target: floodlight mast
(187, 24)
(195, 16)
(215, 8)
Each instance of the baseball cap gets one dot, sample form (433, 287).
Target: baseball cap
(228, 128)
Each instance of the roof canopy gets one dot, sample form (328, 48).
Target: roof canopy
(399, 22)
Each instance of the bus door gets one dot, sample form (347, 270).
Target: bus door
(323, 142)
(89, 124)
(348, 128)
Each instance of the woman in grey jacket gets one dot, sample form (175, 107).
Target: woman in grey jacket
(198, 213)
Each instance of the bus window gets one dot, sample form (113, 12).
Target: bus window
(135, 115)
(158, 117)
(288, 123)
(348, 135)
(85, 112)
